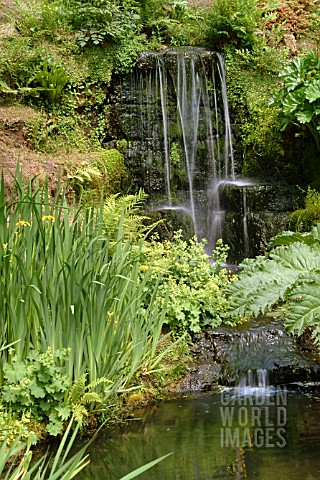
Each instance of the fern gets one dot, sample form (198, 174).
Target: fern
(289, 276)
(77, 388)
(128, 208)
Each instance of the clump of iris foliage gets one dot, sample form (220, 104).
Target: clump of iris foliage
(16, 460)
(83, 305)
(75, 307)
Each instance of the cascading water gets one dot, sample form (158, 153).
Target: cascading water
(174, 112)
(250, 359)
(179, 129)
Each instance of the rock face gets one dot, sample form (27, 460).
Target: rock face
(235, 356)
(173, 110)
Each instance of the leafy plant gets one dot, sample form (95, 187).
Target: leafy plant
(105, 174)
(299, 99)
(62, 468)
(233, 22)
(52, 78)
(130, 207)
(66, 285)
(287, 277)
(197, 289)
(40, 383)
(252, 78)
(303, 219)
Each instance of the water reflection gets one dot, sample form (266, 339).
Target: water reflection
(276, 436)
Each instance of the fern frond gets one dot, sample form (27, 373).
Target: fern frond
(77, 388)
(98, 382)
(91, 397)
(79, 412)
(86, 174)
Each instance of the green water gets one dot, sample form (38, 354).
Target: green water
(265, 436)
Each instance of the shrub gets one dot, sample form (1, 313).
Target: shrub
(197, 288)
(233, 22)
(287, 277)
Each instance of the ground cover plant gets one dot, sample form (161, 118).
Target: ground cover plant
(299, 99)
(197, 298)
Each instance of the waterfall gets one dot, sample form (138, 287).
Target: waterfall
(249, 360)
(245, 223)
(176, 118)
(173, 111)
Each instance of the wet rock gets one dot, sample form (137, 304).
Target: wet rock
(224, 356)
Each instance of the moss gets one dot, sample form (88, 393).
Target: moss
(303, 219)
(105, 172)
(251, 83)
(115, 172)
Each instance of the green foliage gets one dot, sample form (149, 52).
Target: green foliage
(38, 382)
(197, 289)
(16, 460)
(128, 210)
(16, 424)
(51, 133)
(233, 22)
(252, 77)
(175, 159)
(299, 99)
(52, 78)
(302, 220)
(174, 363)
(289, 276)
(105, 174)
(66, 285)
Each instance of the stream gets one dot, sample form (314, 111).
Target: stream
(261, 434)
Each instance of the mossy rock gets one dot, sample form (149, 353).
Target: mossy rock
(115, 172)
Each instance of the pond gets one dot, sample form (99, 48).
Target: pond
(262, 434)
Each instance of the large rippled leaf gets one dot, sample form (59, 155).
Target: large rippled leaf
(257, 292)
(313, 91)
(304, 308)
(298, 256)
(305, 116)
(290, 275)
(293, 74)
(293, 101)
(285, 238)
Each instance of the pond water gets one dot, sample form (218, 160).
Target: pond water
(262, 434)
